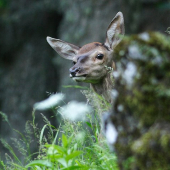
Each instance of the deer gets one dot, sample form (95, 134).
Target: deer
(94, 61)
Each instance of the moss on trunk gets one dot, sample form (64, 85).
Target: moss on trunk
(143, 84)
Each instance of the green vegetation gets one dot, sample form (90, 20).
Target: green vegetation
(73, 145)
(3, 3)
(143, 122)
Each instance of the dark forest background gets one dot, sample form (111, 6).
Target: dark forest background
(29, 67)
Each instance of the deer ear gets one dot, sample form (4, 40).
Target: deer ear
(64, 49)
(115, 31)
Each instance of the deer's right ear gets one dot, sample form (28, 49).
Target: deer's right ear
(64, 49)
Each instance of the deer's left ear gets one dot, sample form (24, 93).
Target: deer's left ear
(115, 31)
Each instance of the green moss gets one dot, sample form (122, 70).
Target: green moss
(127, 164)
(145, 100)
(153, 146)
(152, 87)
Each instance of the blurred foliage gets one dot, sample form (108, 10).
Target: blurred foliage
(3, 3)
(144, 95)
(164, 5)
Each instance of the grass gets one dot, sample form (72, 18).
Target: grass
(73, 145)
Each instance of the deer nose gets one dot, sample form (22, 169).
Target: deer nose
(74, 70)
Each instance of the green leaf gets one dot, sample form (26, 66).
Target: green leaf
(40, 163)
(75, 86)
(70, 139)
(75, 167)
(52, 151)
(75, 146)
(42, 132)
(62, 161)
(89, 124)
(58, 148)
(78, 163)
(56, 156)
(73, 155)
(56, 135)
(38, 168)
(64, 141)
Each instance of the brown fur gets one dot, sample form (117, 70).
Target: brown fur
(89, 47)
(104, 87)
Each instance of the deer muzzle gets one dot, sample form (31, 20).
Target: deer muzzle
(75, 74)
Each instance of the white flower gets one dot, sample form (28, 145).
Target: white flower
(75, 111)
(52, 101)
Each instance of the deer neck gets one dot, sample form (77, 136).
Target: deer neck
(104, 87)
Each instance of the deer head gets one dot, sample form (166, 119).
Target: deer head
(90, 61)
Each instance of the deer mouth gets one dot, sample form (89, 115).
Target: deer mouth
(78, 77)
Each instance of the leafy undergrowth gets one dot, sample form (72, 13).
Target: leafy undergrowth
(76, 144)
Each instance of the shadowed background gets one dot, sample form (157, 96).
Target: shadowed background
(29, 67)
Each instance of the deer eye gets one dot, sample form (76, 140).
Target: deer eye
(100, 56)
(74, 62)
